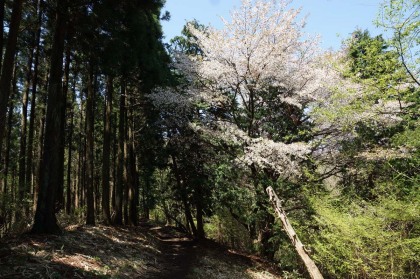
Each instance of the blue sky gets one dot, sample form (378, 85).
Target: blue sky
(334, 20)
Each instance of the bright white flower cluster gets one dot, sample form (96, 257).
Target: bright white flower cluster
(225, 132)
(261, 46)
(264, 154)
(282, 158)
(182, 100)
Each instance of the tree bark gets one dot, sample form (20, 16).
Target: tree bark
(2, 3)
(106, 150)
(78, 182)
(7, 154)
(145, 200)
(114, 163)
(198, 199)
(60, 193)
(119, 187)
(200, 221)
(70, 191)
(40, 147)
(23, 184)
(7, 148)
(45, 219)
(309, 263)
(126, 174)
(9, 61)
(90, 106)
(11, 160)
(133, 176)
(69, 162)
(36, 46)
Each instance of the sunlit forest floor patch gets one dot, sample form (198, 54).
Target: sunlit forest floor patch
(216, 263)
(145, 251)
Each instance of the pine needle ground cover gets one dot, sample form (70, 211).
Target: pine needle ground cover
(125, 252)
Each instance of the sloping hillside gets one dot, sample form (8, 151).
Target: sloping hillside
(146, 251)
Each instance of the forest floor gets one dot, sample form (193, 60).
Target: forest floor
(146, 251)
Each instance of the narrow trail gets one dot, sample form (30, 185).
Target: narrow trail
(178, 253)
(147, 251)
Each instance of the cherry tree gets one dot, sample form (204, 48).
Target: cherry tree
(261, 71)
(263, 77)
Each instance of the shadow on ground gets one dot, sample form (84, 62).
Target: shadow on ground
(145, 251)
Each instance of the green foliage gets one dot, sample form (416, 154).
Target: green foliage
(402, 18)
(368, 240)
(371, 58)
(185, 42)
(409, 137)
(367, 224)
(285, 254)
(225, 229)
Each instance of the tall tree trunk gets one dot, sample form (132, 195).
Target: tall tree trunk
(309, 263)
(126, 174)
(199, 213)
(13, 162)
(31, 130)
(145, 193)
(119, 187)
(187, 212)
(90, 214)
(41, 136)
(107, 150)
(9, 61)
(5, 177)
(45, 219)
(60, 193)
(69, 187)
(77, 191)
(69, 164)
(23, 184)
(2, 3)
(114, 163)
(133, 197)
(82, 156)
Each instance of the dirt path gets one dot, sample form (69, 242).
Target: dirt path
(181, 257)
(178, 253)
(145, 251)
